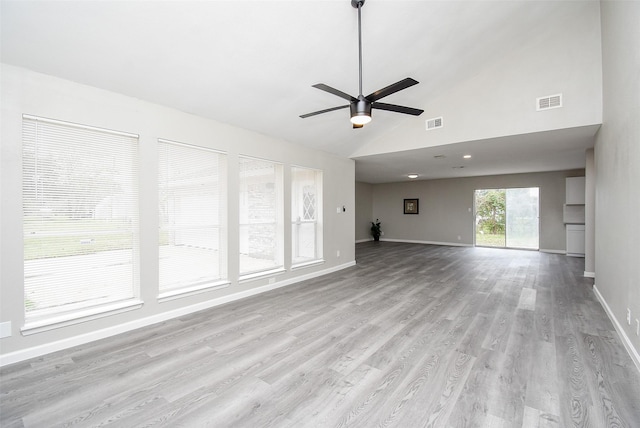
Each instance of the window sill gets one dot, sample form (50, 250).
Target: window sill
(190, 291)
(263, 274)
(78, 317)
(307, 264)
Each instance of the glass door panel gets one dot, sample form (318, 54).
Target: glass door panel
(522, 218)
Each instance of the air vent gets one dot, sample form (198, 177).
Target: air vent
(434, 123)
(546, 103)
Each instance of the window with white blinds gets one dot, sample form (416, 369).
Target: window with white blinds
(306, 213)
(192, 200)
(80, 218)
(261, 216)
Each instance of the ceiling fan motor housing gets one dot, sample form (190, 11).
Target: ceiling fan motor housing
(362, 107)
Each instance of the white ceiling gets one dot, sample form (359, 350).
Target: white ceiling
(252, 64)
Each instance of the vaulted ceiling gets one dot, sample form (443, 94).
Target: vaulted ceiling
(252, 64)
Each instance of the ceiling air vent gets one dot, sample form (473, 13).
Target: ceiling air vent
(434, 123)
(546, 103)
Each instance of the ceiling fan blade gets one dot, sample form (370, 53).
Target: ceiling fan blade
(397, 109)
(322, 111)
(391, 89)
(334, 91)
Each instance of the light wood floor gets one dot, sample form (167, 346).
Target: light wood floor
(413, 336)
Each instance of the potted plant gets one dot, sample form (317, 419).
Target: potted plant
(376, 231)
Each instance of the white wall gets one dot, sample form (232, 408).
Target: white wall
(617, 155)
(26, 92)
(364, 211)
(446, 207)
(499, 99)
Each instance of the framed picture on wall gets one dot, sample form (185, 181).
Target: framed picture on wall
(411, 206)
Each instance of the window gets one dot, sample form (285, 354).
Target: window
(261, 231)
(192, 196)
(80, 220)
(306, 210)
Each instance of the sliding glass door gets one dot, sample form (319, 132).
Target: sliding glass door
(507, 218)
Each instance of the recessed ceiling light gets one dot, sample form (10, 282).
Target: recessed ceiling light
(412, 175)
(467, 156)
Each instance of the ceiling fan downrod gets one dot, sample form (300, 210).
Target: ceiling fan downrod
(358, 5)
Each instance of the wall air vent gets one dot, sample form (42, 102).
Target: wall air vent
(434, 123)
(549, 102)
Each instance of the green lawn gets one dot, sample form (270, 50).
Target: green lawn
(489, 240)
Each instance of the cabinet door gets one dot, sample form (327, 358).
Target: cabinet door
(574, 191)
(575, 240)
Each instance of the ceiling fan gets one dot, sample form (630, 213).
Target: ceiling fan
(361, 106)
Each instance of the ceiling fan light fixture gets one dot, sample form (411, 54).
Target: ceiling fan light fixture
(360, 112)
(361, 119)
(361, 106)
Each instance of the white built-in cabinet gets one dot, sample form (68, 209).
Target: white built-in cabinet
(575, 190)
(573, 215)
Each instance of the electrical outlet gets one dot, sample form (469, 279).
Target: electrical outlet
(628, 316)
(338, 253)
(637, 327)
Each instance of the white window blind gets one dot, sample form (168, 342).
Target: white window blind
(306, 212)
(261, 231)
(80, 217)
(192, 199)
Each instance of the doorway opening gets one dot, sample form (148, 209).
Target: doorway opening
(507, 218)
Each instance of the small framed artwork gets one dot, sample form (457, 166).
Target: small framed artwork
(411, 206)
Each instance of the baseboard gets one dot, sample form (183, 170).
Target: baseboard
(37, 351)
(359, 241)
(411, 241)
(552, 251)
(589, 274)
(633, 353)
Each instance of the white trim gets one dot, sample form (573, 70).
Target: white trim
(358, 241)
(633, 353)
(542, 250)
(190, 291)
(261, 274)
(307, 264)
(190, 146)
(78, 125)
(77, 317)
(411, 241)
(589, 274)
(36, 351)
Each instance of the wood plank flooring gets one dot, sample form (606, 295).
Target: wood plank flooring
(412, 336)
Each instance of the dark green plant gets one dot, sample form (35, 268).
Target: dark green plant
(491, 210)
(376, 230)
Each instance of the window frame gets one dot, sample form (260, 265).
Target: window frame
(297, 207)
(277, 222)
(222, 280)
(71, 312)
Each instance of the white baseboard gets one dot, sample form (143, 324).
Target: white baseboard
(37, 351)
(358, 241)
(411, 241)
(633, 352)
(552, 251)
(589, 274)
